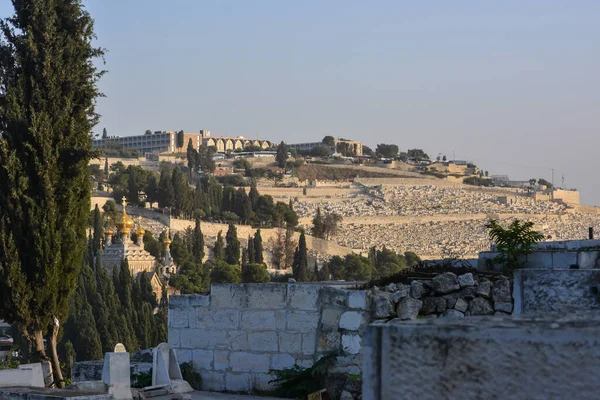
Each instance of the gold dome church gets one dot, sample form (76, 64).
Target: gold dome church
(119, 246)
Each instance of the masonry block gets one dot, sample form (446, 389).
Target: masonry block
(261, 381)
(351, 320)
(221, 360)
(330, 318)
(178, 317)
(290, 342)
(305, 362)
(357, 299)
(266, 295)
(351, 344)
(239, 382)
(203, 339)
(303, 297)
(281, 318)
(228, 296)
(212, 380)
(203, 317)
(282, 361)
(198, 300)
(329, 341)
(177, 301)
(249, 362)
(183, 355)
(334, 297)
(259, 320)
(302, 320)
(262, 341)
(174, 337)
(309, 343)
(238, 340)
(202, 359)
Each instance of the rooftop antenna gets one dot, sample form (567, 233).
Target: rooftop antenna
(563, 181)
(552, 169)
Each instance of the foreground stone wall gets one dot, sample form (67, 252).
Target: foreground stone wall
(551, 291)
(483, 358)
(238, 334)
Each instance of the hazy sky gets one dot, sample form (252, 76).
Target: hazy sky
(512, 85)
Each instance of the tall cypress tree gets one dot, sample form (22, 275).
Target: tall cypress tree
(300, 265)
(47, 98)
(98, 231)
(258, 248)
(233, 247)
(219, 246)
(198, 242)
(250, 250)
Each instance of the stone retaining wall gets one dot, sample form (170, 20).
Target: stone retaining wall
(238, 334)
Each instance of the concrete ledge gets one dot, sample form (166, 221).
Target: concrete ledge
(516, 357)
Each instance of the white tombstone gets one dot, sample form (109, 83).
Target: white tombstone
(166, 371)
(120, 348)
(116, 375)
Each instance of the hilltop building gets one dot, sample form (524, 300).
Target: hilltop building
(119, 246)
(166, 142)
(354, 146)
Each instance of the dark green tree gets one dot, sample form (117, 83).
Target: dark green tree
(104, 133)
(300, 265)
(225, 273)
(165, 190)
(318, 229)
(179, 137)
(258, 248)
(48, 88)
(233, 247)
(152, 194)
(98, 231)
(328, 141)
(387, 150)
(250, 251)
(281, 156)
(198, 242)
(255, 273)
(219, 247)
(181, 193)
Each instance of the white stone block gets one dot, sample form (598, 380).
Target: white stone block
(198, 300)
(30, 375)
(207, 318)
(351, 344)
(221, 360)
(183, 355)
(261, 381)
(228, 296)
(281, 318)
(282, 361)
(357, 299)
(202, 359)
(266, 295)
(305, 362)
(330, 318)
(212, 380)
(259, 320)
(303, 297)
(351, 320)
(290, 342)
(116, 375)
(238, 340)
(309, 343)
(262, 341)
(174, 336)
(302, 320)
(178, 318)
(238, 382)
(249, 362)
(203, 339)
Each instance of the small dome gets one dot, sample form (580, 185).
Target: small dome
(140, 231)
(167, 240)
(124, 223)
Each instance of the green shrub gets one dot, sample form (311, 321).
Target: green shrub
(192, 377)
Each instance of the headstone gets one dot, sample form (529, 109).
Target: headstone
(166, 371)
(120, 348)
(116, 375)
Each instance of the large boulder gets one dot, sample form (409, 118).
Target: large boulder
(402, 292)
(461, 305)
(382, 305)
(452, 314)
(465, 280)
(418, 289)
(480, 306)
(484, 288)
(445, 283)
(501, 291)
(432, 305)
(409, 308)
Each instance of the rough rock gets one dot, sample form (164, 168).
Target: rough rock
(450, 300)
(432, 305)
(418, 289)
(503, 306)
(461, 305)
(465, 280)
(484, 288)
(391, 287)
(382, 305)
(480, 306)
(409, 308)
(346, 395)
(445, 283)
(402, 292)
(451, 314)
(467, 293)
(501, 291)
(500, 313)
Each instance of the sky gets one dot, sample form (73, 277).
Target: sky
(513, 85)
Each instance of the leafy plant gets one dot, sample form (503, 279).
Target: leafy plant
(298, 382)
(192, 377)
(512, 242)
(141, 380)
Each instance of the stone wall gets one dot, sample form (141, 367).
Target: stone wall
(547, 290)
(541, 357)
(238, 334)
(570, 197)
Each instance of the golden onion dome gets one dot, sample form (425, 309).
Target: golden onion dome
(167, 240)
(140, 231)
(124, 222)
(109, 231)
